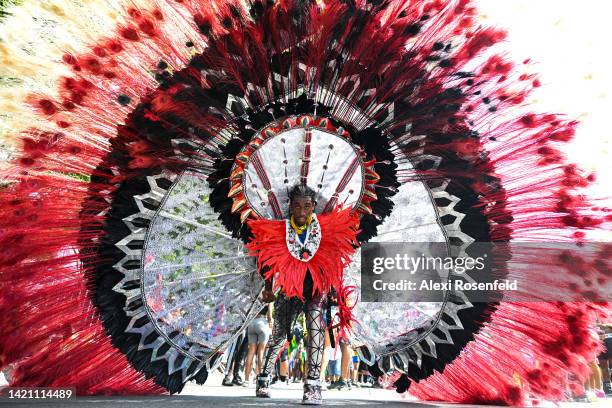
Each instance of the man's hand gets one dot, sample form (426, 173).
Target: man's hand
(333, 298)
(267, 296)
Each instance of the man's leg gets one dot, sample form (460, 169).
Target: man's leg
(315, 347)
(287, 310)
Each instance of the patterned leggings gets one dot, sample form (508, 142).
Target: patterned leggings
(287, 310)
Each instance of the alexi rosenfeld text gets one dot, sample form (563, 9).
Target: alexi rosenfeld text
(405, 264)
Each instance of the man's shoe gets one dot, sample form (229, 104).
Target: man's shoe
(312, 392)
(262, 387)
(226, 381)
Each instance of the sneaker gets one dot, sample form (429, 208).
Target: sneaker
(580, 398)
(237, 380)
(607, 388)
(334, 385)
(262, 387)
(227, 381)
(344, 386)
(246, 383)
(312, 392)
(591, 397)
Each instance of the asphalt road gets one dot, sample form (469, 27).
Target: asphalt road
(219, 396)
(214, 395)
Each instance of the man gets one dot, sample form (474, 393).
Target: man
(302, 205)
(304, 257)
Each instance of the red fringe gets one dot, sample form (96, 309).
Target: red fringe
(345, 310)
(50, 335)
(537, 347)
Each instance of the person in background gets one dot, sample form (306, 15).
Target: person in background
(235, 361)
(333, 367)
(364, 374)
(258, 333)
(593, 386)
(605, 358)
(377, 381)
(326, 348)
(282, 367)
(297, 362)
(345, 363)
(355, 370)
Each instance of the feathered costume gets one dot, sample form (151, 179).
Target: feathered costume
(149, 138)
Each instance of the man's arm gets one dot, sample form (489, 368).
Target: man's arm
(269, 316)
(267, 295)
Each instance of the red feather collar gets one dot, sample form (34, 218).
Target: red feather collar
(337, 242)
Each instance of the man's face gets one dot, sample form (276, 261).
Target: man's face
(302, 208)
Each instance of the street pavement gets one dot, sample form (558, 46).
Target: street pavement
(214, 395)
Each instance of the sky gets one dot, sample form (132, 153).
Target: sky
(570, 42)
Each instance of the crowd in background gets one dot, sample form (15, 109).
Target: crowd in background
(599, 383)
(341, 367)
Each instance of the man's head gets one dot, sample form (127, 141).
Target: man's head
(302, 203)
